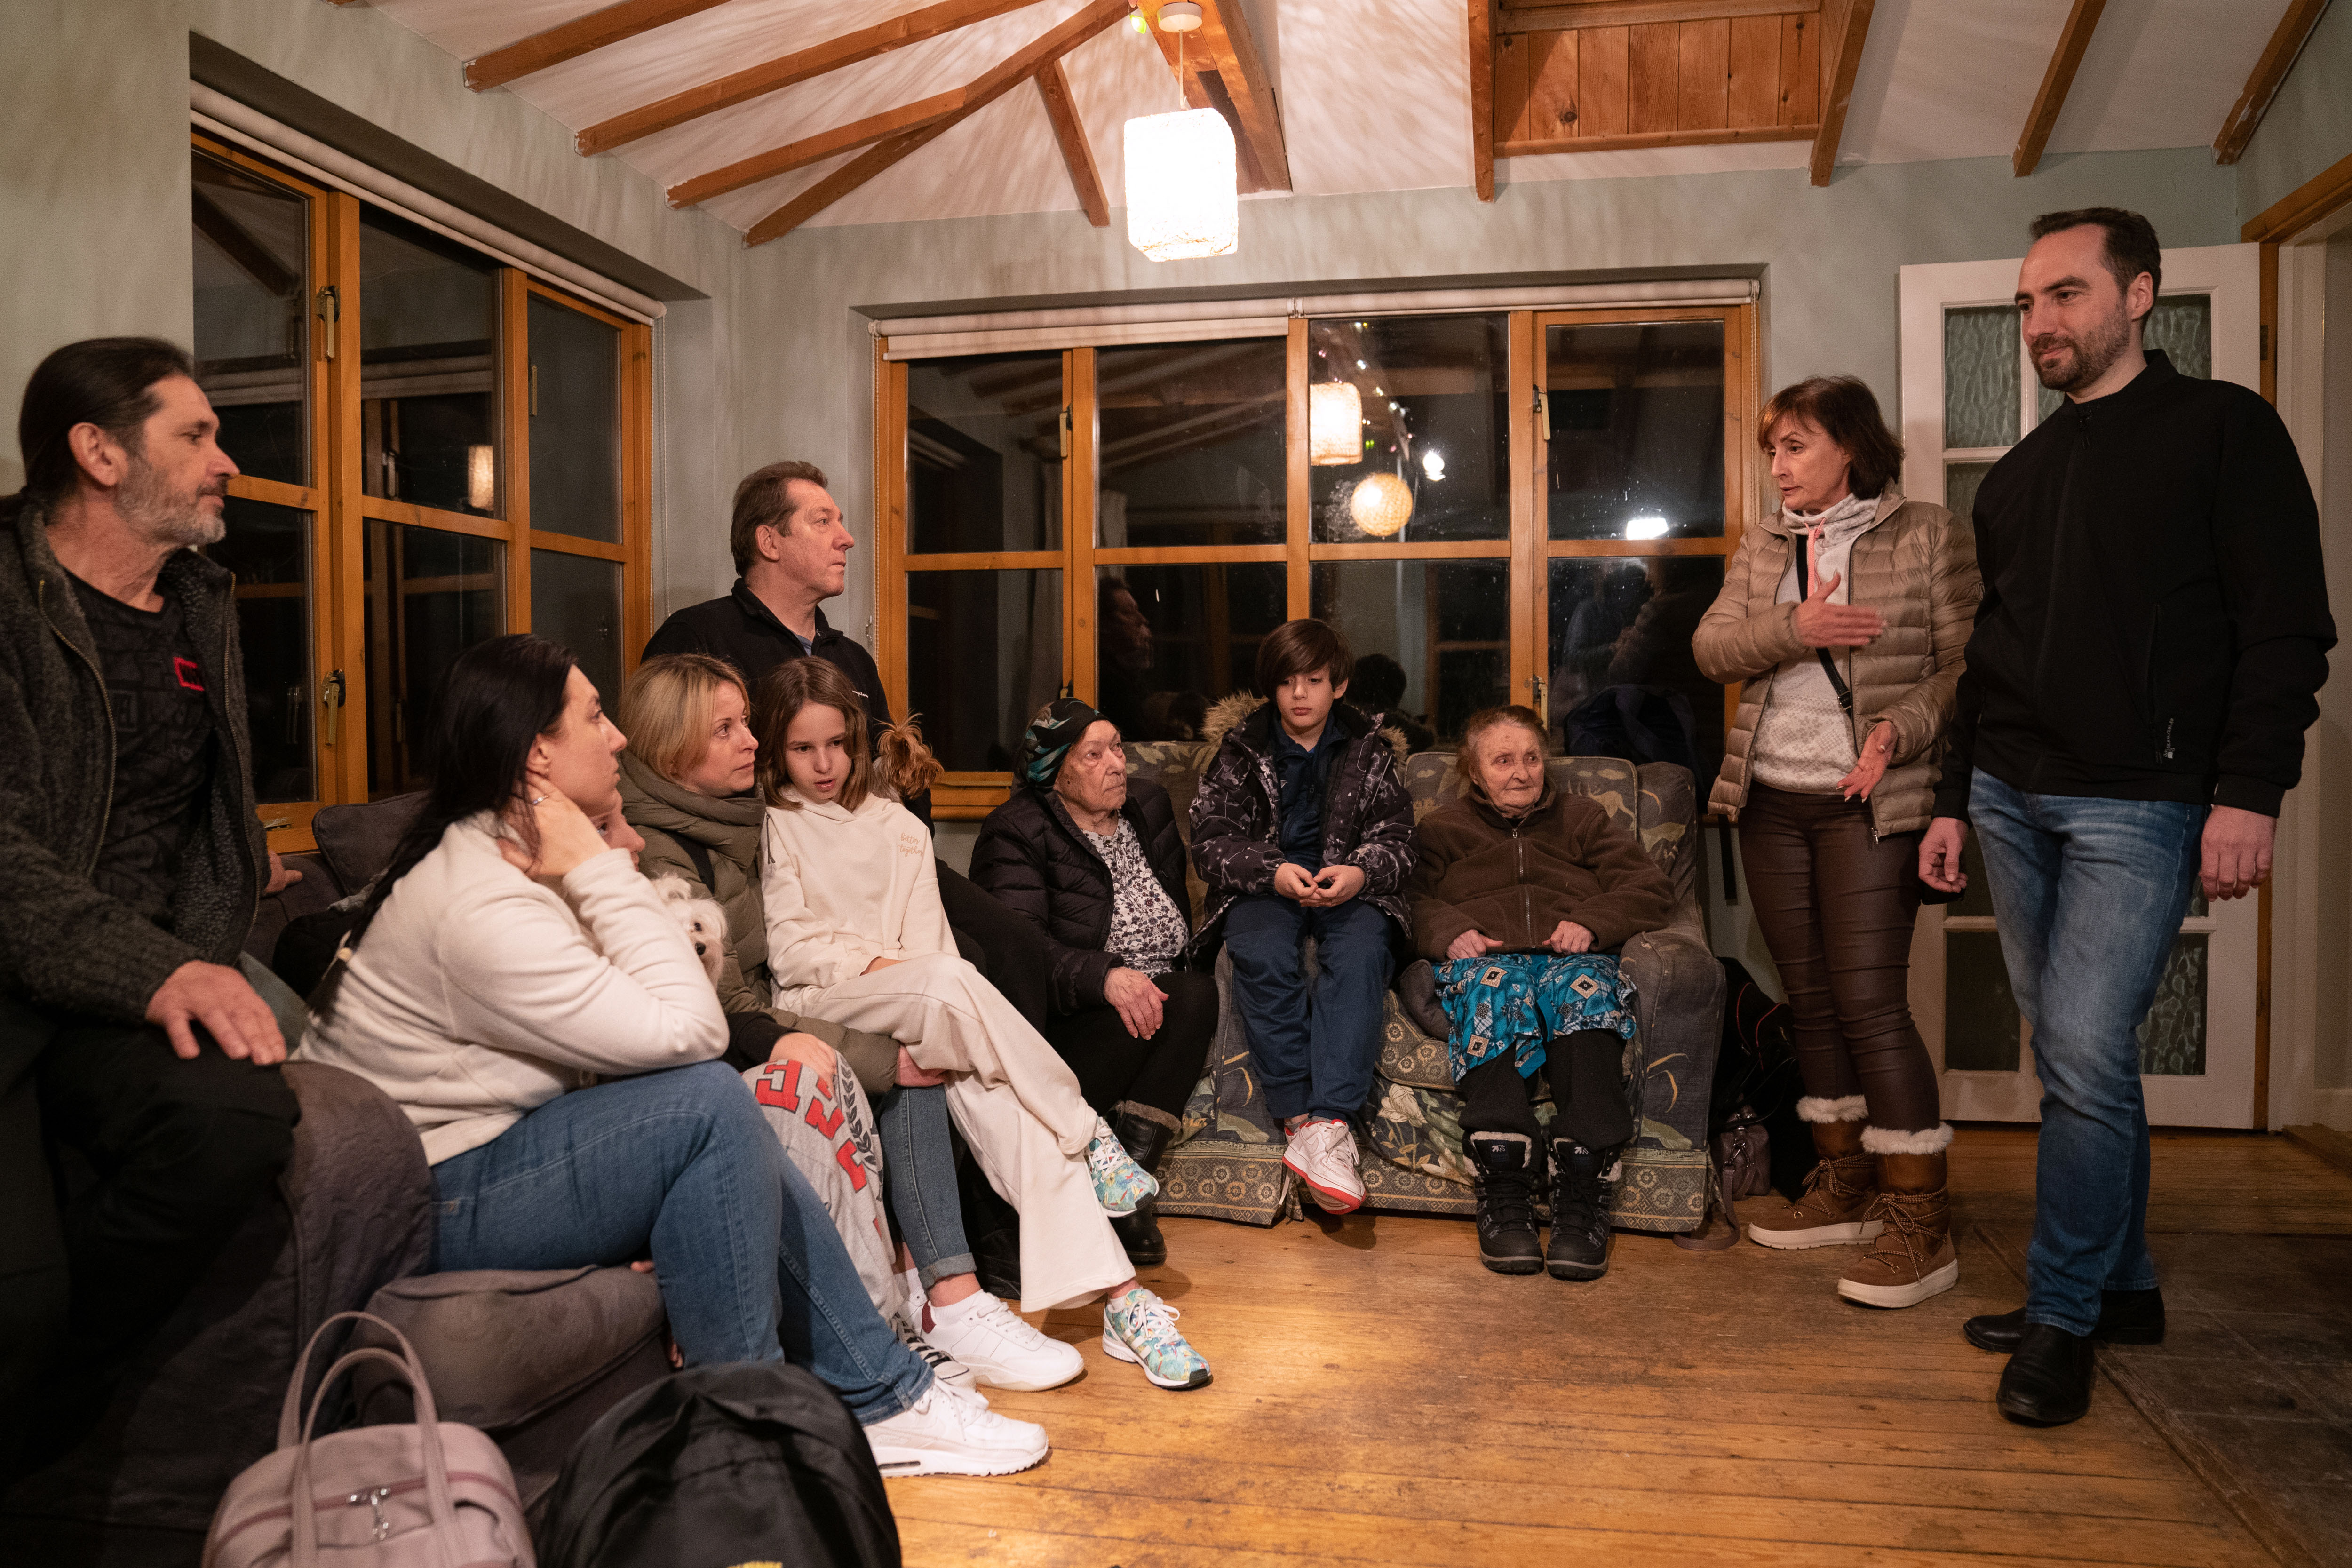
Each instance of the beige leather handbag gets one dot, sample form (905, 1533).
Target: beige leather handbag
(432, 1495)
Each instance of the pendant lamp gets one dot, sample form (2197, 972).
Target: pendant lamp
(1183, 199)
(1381, 505)
(1335, 423)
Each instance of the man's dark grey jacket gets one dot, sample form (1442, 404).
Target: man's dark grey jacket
(64, 945)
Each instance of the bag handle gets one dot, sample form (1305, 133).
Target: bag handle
(428, 1427)
(1717, 1194)
(1829, 664)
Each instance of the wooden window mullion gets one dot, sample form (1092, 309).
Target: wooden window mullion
(514, 417)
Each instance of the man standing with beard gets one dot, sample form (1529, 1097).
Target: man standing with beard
(130, 865)
(2145, 659)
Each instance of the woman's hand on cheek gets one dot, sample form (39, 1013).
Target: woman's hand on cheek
(567, 838)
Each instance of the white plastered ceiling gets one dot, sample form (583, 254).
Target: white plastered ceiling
(1373, 94)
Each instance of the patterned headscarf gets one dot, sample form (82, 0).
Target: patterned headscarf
(1059, 725)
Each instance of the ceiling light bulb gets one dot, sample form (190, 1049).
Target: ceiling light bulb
(1432, 464)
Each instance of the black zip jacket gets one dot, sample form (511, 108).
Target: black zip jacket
(744, 632)
(2155, 621)
(63, 943)
(1030, 859)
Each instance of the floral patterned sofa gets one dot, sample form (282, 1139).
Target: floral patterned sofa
(1227, 1162)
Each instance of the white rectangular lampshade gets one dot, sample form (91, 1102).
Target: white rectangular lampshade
(1184, 197)
(481, 478)
(1335, 423)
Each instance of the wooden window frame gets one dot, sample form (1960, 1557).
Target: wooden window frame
(1527, 550)
(340, 512)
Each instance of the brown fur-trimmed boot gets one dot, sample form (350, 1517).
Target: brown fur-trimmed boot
(1840, 1189)
(1913, 1257)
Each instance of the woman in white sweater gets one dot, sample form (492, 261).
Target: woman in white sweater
(520, 990)
(856, 933)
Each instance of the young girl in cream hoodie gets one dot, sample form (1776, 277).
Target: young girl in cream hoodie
(857, 935)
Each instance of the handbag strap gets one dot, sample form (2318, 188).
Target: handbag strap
(289, 1413)
(1719, 1196)
(1829, 664)
(439, 1501)
(699, 853)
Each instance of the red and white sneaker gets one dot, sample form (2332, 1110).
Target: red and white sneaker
(1322, 1155)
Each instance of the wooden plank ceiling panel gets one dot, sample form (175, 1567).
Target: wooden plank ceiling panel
(1691, 81)
(1653, 82)
(1703, 55)
(1800, 69)
(1754, 98)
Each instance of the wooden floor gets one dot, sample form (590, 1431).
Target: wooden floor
(1380, 1398)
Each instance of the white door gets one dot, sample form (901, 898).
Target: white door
(1969, 395)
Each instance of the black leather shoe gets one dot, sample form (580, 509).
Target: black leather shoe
(2048, 1381)
(2125, 1318)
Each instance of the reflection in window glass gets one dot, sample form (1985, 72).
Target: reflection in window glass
(1636, 412)
(1623, 680)
(983, 654)
(1436, 633)
(1980, 1016)
(1982, 349)
(575, 413)
(251, 245)
(1172, 640)
(575, 600)
(268, 548)
(1190, 444)
(984, 453)
(428, 362)
(430, 596)
(1432, 390)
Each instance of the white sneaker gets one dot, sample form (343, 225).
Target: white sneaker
(1001, 1349)
(950, 1433)
(1322, 1155)
(944, 1367)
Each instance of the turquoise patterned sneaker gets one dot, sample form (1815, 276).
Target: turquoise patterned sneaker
(1139, 1327)
(1119, 1182)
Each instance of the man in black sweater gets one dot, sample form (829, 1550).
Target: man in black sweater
(2153, 634)
(792, 554)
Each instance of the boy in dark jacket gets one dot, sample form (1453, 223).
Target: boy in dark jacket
(1302, 828)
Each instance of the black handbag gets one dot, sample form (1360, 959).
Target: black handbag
(1928, 894)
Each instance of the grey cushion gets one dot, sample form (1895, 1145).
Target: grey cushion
(358, 840)
(501, 1346)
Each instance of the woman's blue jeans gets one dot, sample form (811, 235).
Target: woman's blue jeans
(2089, 895)
(919, 1175)
(681, 1165)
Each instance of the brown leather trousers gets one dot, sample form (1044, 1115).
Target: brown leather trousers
(1837, 910)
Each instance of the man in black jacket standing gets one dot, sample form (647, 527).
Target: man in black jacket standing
(2145, 659)
(792, 554)
(131, 863)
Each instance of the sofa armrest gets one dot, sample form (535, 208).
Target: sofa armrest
(1678, 1013)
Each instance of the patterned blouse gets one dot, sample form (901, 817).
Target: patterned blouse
(1147, 929)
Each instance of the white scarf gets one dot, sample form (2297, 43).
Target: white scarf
(1803, 740)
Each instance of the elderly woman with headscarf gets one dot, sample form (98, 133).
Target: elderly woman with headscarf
(1093, 859)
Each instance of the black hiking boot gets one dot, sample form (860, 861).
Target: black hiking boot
(1506, 1163)
(1145, 1141)
(1580, 1219)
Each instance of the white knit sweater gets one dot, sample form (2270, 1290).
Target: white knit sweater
(480, 995)
(843, 888)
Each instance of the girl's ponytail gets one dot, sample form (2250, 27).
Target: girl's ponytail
(908, 765)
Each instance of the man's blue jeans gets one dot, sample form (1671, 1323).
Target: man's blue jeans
(2089, 895)
(681, 1164)
(1314, 1059)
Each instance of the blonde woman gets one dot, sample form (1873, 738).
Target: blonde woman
(856, 931)
(1845, 612)
(686, 787)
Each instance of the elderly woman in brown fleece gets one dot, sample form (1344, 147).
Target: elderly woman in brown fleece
(1519, 890)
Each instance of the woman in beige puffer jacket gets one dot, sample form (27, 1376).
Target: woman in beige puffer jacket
(1830, 774)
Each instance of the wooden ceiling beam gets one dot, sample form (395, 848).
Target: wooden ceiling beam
(1548, 18)
(784, 70)
(1071, 132)
(2278, 57)
(1843, 37)
(1226, 51)
(577, 38)
(1026, 62)
(1482, 99)
(2057, 82)
(815, 149)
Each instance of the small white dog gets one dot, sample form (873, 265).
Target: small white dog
(704, 922)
